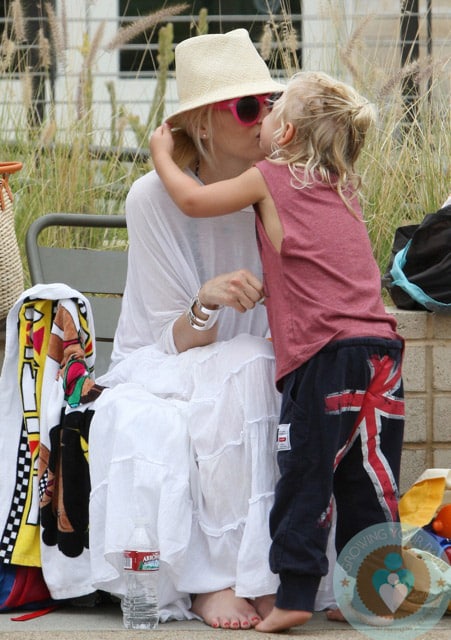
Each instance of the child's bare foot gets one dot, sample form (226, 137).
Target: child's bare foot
(223, 610)
(264, 605)
(335, 615)
(283, 619)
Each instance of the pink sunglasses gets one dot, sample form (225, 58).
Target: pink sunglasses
(247, 110)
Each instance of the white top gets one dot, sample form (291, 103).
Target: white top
(170, 257)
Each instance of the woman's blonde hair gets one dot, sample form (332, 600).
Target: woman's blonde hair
(331, 120)
(188, 142)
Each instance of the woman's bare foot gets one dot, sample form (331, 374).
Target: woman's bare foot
(283, 619)
(223, 610)
(335, 615)
(264, 605)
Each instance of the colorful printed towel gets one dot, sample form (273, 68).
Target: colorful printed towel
(46, 386)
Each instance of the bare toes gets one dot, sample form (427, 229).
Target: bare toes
(222, 609)
(335, 615)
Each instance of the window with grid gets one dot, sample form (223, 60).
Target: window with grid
(139, 55)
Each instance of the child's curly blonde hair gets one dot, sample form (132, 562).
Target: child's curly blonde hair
(331, 120)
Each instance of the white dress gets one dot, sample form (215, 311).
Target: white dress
(185, 440)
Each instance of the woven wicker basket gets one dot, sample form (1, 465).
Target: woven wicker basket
(11, 270)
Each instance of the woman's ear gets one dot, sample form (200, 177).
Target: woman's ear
(287, 134)
(204, 128)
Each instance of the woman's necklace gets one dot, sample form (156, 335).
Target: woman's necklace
(197, 170)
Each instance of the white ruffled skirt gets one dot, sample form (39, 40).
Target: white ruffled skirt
(188, 442)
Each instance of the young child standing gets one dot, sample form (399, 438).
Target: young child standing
(338, 356)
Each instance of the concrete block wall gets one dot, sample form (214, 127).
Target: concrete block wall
(427, 382)
(2, 341)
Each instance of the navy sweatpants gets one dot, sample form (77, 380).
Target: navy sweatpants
(340, 434)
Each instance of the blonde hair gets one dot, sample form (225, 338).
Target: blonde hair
(331, 120)
(188, 142)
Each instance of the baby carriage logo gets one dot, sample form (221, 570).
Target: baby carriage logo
(392, 582)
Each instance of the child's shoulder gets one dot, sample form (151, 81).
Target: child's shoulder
(273, 166)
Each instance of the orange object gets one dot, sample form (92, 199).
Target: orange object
(441, 524)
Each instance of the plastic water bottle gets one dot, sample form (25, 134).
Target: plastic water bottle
(141, 565)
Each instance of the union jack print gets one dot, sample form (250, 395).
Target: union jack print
(377, 401)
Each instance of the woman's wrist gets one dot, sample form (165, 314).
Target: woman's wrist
(206, 305)
(201, 317)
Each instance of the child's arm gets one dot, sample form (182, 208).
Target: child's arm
(203, 201)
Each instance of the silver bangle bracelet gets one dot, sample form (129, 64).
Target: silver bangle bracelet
(199, 323)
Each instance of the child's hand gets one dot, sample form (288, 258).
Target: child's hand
(161, 140)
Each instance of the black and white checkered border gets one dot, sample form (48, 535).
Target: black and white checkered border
(23, 479)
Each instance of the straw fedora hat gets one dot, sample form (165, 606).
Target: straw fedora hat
(215, 67)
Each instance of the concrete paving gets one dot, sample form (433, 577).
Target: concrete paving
(105, 622)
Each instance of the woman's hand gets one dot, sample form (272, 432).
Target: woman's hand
(238, 289)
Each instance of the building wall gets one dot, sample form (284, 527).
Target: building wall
(338, 35)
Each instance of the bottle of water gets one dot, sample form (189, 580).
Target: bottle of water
(141, 564)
